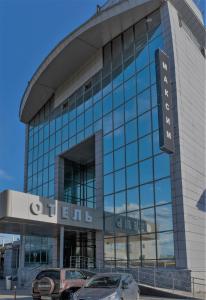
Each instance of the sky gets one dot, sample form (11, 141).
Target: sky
(29, 30)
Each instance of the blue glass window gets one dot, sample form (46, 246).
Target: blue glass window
(120, 180)
(165, 245)
(118, 96)
(163, 191)
(119, 137)
(109, 203)
(131, 153)
(65, 133)
(145, 147)
(129, 68)
(132, 176)
(156, 146)
(108, 184)
(153, 45)
(131, 131)
(143, 80)
(146, 171)
(120, 202)
(118, 116)
(143, 101)
(107, 123)
(132, 199)
(119, 158)
(108, 142)
(97, 110)
(164, 217)
(107, 104)
(88, 117)
(155, 122)
(146, 195)
(72, 128)
(147, 220)
(130, 88)
(130, 109)
(108, 163)
(144, 124)
(117, 77)
(161, 166)
(142, 57)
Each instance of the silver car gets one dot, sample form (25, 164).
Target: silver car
(109, 286)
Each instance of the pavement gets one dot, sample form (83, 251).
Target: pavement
(19, 297)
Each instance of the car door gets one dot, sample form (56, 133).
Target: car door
(129, 291)
(133, 287)
(75, 278)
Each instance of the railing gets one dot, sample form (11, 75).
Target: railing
(165, 277)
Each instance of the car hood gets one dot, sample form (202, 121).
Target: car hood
(94, 294)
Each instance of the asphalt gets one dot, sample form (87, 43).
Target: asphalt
(11, 297)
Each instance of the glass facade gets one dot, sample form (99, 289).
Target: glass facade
(120, 100)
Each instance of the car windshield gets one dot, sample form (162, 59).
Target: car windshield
(104, 282)
(49, 273)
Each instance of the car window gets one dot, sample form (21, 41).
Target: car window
(53, 274)
(74, 275)
(104, 281)
(87, 274)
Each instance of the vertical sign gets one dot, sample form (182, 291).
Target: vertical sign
(164, 96)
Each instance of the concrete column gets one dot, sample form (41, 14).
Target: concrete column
(99, 249)
(21, 261)
(59, 178)
(61, 247)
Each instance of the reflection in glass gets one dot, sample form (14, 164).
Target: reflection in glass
(146, 171)
(134, 247)
(120, 202)
(165, 245)
(164, 217)
(132, 199)
(109, 249)
(145, 147)
(120, 180)
(132, 176)
(119, 137)
(163, 191)
(146, 195)
(147, 220)
(161, 166)
(121, 249)
(131, 153)
(148, 246)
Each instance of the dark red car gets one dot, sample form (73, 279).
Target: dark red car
(59, 284)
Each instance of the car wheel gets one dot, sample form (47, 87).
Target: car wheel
(67, 295)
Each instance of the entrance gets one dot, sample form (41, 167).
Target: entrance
(79, 249)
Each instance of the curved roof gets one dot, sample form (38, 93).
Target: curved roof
(74, 50)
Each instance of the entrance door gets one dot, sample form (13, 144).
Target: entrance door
(79, 249)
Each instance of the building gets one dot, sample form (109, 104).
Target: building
(115, 143)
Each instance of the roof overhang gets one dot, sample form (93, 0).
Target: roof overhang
(27, 214)
(77, 48)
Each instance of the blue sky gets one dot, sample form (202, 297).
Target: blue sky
(29, 29)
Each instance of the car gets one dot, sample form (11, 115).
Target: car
(109, 286)
(59, 283)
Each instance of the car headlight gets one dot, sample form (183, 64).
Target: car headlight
(75, 296)
(114, 296)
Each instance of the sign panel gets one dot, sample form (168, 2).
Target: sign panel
(164, 96)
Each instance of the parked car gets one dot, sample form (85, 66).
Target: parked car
(109, 286)
(60, 284)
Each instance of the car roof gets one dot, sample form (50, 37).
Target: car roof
(111, 274)
(66, 269)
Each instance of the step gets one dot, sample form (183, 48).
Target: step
(162, 292)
